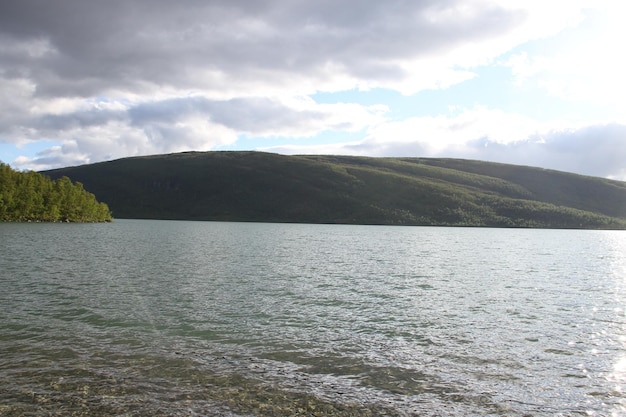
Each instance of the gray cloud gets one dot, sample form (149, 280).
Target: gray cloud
(73, 47)
(166, 62)
(127, 77)
(241, 114)
(51, 123)
(598, 150)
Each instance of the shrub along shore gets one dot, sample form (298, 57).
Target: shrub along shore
(30, 196)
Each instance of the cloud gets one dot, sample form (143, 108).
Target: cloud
(492, 135)
(296, 117)
(77, 48)
(129, 77)
(99, 131)
(581, 65)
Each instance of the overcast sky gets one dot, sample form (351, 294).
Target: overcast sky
(528, 82)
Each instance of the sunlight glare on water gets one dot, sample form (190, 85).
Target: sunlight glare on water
(618, 268)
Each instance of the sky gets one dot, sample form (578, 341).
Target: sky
(527, 82)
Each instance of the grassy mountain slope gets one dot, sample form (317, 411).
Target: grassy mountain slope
(255, 186)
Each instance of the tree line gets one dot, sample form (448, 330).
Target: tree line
(30, 196)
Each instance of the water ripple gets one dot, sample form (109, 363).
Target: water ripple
(227, 319)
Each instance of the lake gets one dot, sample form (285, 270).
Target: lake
(142, 317)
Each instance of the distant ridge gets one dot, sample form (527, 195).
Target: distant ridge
(265, 187)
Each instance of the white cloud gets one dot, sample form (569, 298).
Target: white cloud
(585, 65)
(493, 135)
(94, 130)
(439, 134)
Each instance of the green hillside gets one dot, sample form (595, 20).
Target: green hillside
(255, 186)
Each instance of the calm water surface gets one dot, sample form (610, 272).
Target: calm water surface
(234, 319)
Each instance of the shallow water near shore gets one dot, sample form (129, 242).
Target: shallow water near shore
(142, 317)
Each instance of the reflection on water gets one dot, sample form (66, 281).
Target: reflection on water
(617, 377)
(227, 319)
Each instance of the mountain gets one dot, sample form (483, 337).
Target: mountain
(265, 187)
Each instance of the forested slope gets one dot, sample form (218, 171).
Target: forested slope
(30, 196)
(255, 186)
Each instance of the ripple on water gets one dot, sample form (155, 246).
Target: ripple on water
(180, 318)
